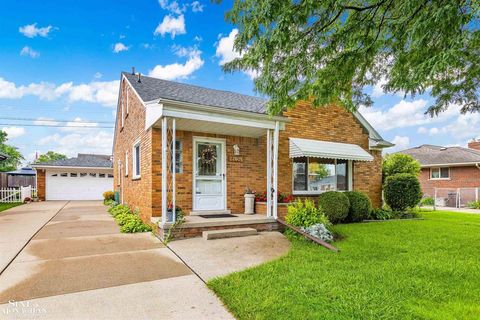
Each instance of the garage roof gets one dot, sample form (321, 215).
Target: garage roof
(82, 161)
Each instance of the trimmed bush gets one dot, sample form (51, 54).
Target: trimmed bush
(305, 214)
(402, 191)
(335, 205)
(360, 206)
(109, 195)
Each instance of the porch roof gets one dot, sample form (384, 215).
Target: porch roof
(329, 150)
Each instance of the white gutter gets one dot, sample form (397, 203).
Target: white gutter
(70, 167)
(451, 164)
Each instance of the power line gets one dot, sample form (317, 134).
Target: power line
(54, 120)
(54, 126)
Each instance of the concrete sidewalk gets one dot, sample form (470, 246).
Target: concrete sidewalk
(19, 224)
(79, 266)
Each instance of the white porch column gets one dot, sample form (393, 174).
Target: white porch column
(164, 170)
(174, 170)
(275, 168)
(269, 173)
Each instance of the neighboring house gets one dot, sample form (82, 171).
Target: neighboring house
(21, 178)
(448, 167)
(225, 142)
(85, 177)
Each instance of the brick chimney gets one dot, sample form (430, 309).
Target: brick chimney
(474, 144)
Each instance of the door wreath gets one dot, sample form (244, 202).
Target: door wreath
(208, 156)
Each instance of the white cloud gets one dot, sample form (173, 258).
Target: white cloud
(14, 132)
(27, 51)
(31, 30)
(97, 75)
(422, 130)
(401, 143)
(119, 47)
(173, 26)
(173, 6)
(78, 125)
(103, 92)
(197, 6)
(178, 70)
(226, 52)
(89, 141)
(46, 121)
(403, 114)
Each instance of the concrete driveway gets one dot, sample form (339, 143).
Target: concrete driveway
(79, 266)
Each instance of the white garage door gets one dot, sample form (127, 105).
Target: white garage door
(77, 185)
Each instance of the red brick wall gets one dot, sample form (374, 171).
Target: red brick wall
(138, 193)
(474, 144)
(460, 177)
(327, 123)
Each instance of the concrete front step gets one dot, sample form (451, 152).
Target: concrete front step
(210, 212)
(228, 233)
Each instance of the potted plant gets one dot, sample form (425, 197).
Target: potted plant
(249, 201)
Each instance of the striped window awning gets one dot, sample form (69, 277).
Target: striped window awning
(328, 150)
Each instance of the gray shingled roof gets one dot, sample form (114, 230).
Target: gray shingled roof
(429, 155)
(82, 160)
(151, 89)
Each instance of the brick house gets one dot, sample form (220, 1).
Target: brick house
(225, 142)
(449, 169)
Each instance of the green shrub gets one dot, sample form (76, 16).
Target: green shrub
(335, 205)
(305, 214)
(123, 218)
(135, 225)
(360, 206)
(109, 195)
(110, 203)
(121, 208)
(400, 163)
(381, 214)
(474, 204)
(402, 191)
(427, 201)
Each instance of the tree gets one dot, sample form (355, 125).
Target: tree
(50, 156)
(400, 163)
(328, 51)
(14, 156)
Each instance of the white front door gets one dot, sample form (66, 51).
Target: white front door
(209, 174)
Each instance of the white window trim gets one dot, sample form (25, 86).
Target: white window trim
(134, 160)
(122, 120)
(126, 163)
(307, 192)
(439, 174)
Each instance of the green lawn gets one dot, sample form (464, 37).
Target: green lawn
(417, 269)
(5, 206)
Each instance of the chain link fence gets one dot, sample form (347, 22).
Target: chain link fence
(455, 197)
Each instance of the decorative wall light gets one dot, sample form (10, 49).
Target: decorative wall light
(236, 150)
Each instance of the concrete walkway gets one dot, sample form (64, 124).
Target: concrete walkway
(216, 258)
(19, 224)
(460, 210)
(78, 266)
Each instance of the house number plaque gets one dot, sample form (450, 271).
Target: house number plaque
(235, 159)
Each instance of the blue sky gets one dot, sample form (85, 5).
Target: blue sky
(61, 60)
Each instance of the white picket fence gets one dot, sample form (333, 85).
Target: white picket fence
(17, 194)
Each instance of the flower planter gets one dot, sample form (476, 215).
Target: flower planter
(249, 203)
(261, 208)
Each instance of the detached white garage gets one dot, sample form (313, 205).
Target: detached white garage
(85, 177)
